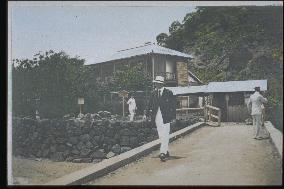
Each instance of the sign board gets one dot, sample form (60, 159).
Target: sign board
(123, 93)
(80, 100)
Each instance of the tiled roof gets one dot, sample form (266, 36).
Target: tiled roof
(234, 86)
(188, 90)
(222, 87)
(143, 50)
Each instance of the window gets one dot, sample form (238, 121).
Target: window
(182, 102)
(170, 66)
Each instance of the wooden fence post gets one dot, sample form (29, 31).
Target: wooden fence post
(219, 117)
(205, 114)
(209, 117)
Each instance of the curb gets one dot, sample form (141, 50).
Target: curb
(109, 165)
(276, 137)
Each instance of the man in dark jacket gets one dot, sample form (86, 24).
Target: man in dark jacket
(161, 110)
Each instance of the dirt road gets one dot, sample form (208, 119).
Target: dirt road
(226, 155)
(31, 172)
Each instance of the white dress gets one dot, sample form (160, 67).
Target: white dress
(131, 107)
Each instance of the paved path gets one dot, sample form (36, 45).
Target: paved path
(226, 155)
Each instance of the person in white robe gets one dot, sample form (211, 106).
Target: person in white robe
(131, 107)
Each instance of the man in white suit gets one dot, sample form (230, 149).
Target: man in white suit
(255, 104)
(161, 109)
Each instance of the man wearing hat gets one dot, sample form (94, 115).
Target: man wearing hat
(161, 110)
(255, 104)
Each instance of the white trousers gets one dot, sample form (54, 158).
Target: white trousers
(131, 112)
(260, 131)
(163, 132)
(256, 120)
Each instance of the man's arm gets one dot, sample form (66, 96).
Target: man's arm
(263, 100)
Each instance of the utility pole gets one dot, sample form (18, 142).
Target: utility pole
(123, 94)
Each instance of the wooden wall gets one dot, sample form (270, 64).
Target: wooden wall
(237, 113)
(180, 67)
(160, 64)
(233, 111)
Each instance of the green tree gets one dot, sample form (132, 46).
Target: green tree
(161, 39)
(56, 79)
(132, 79)
(235, 43)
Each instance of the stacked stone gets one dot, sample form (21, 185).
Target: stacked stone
(92, 138)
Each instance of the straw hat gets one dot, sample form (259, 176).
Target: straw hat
(159, 79)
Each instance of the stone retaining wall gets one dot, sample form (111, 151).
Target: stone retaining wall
(89, 139)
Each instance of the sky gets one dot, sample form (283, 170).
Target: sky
(90, 31)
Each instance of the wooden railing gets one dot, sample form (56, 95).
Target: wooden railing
(208, 114)
(183, 113)
(169, 76)
(187, 110)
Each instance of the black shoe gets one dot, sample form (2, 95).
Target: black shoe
(168, 154)
(163, 157)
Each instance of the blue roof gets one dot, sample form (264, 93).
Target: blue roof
(188, 90)
(234, 86)
(143, 50)
(221, 87)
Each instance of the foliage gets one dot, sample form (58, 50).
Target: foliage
(55, 79)
(233, 43)
(52, 82)
(161, 39)
(133, 78)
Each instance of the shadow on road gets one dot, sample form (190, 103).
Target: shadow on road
(171, 157)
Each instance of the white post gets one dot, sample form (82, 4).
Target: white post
(205, 113)
(188, 104)
(209, 117)
(227, 106)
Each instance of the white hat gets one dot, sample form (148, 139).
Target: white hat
(159, 79)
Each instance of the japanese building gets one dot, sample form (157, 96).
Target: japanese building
(156, 60)
(230, 96)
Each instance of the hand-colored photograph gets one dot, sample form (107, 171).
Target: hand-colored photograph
(145, 93)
